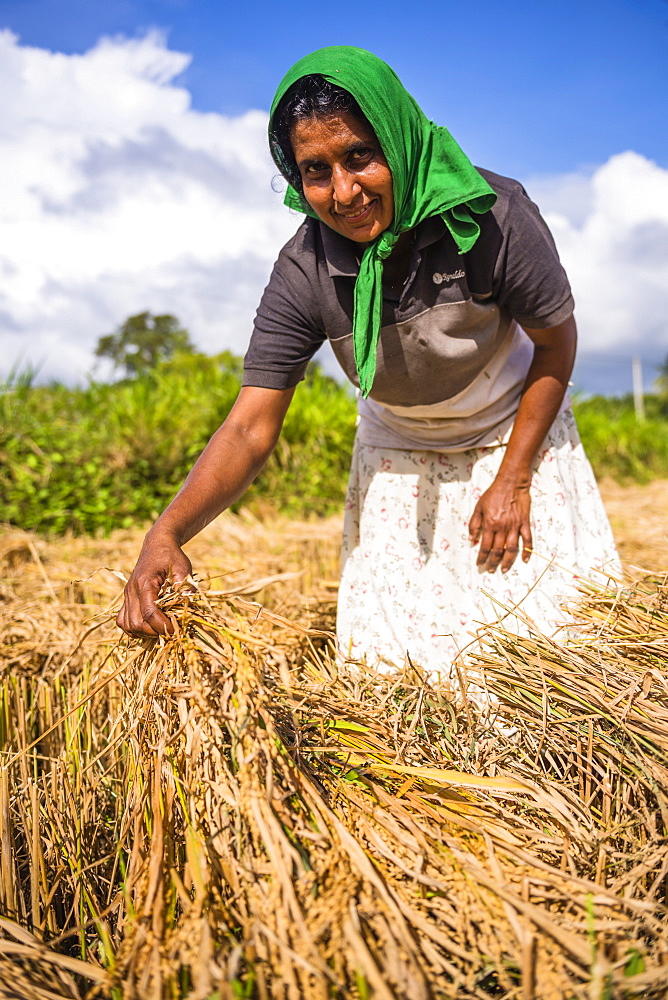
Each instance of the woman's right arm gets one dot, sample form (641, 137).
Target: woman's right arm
(228, 465)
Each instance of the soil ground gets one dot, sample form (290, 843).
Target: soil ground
(639, 518)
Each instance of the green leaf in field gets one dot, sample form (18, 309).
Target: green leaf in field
(243, 990)
(362, 985)
(635, 963)
(347, 724)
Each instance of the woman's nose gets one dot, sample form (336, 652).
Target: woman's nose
(345, 186)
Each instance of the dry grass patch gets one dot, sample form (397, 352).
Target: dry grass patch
(229, 814)
(639, 518)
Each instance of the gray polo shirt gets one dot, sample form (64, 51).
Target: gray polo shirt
(451, 359)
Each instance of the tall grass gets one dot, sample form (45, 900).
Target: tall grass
(112, 455)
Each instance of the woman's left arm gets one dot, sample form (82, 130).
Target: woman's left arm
(501, 515)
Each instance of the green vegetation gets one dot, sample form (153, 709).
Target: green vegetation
(113, 455)
(621, 446)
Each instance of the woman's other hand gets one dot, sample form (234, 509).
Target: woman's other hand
(160, 560)
(501, 516)
(500, 519)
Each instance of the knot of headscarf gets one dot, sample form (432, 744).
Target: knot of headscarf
(430, 176)
(385, 245)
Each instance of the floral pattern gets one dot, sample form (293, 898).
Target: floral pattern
(410, 585)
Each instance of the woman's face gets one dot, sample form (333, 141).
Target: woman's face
(346, 179)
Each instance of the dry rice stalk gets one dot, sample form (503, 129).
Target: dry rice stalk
(229, 814)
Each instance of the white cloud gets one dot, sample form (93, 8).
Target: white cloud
(116, 197)
(611, 228)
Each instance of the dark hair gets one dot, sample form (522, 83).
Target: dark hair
(309, 97)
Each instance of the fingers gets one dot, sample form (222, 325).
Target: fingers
(140, 615)
(475, 524)
(500, 546)
(492, 550)
(498, 549)
(527, 541)
(511, 550)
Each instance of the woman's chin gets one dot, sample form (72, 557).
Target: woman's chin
(361, 233)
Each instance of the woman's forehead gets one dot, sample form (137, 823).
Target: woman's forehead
(331, 133)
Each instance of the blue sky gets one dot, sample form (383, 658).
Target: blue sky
(570, 98)
(525, 87)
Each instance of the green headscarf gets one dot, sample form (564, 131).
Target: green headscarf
(430, 176)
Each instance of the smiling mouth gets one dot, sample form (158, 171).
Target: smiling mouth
(354, 216)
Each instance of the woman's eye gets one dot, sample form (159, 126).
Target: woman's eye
(361, 155)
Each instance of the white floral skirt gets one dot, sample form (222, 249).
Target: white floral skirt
(410, 585)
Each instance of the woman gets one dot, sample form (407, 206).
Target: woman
(441, 292)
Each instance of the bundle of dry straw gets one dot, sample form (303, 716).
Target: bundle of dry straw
(227, 814)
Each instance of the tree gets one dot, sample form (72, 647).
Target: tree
(144, 340)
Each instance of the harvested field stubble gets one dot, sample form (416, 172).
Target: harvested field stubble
(226, 814)
(639, 522)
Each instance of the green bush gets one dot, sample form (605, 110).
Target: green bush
(113, 455)
(618, 444)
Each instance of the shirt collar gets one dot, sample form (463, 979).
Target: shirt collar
(342, 256)
(429, 231)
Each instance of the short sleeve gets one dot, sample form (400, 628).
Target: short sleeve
(529, 279)
(288, 326)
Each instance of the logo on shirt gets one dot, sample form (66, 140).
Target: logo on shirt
(439, 278)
